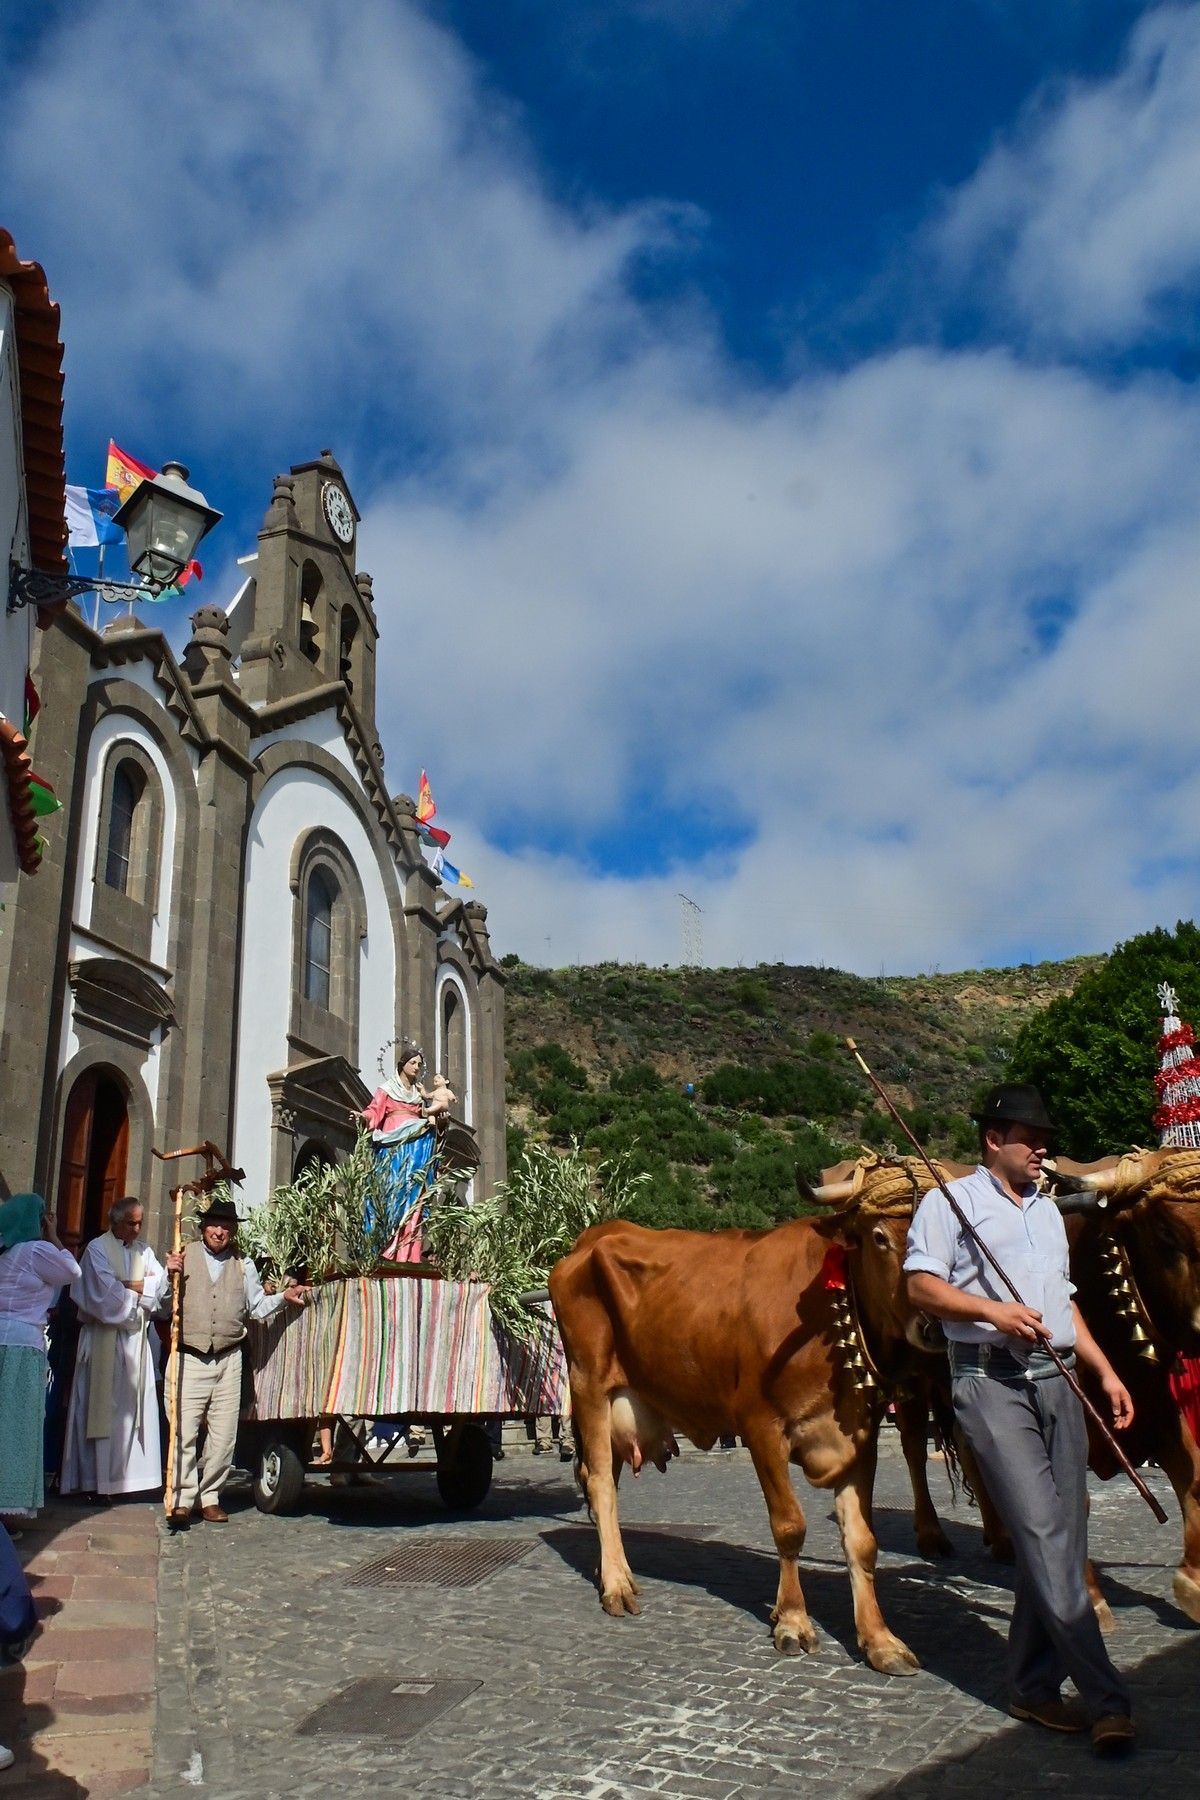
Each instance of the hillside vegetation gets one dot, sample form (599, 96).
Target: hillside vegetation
(604, 1056)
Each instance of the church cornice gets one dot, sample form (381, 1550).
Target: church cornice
(143, 643)
(368, 762)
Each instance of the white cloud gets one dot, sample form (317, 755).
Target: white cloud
(1086, 217)
(923, 628)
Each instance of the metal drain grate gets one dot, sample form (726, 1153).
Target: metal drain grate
(386, 1706)
(440, 1561)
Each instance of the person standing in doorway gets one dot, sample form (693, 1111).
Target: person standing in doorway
(113, 1444)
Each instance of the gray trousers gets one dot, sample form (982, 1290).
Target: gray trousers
(1030, 1442)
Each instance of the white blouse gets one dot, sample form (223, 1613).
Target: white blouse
(31, 1277)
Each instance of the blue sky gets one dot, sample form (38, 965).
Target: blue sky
(775, 426)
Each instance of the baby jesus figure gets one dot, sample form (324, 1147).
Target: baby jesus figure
(438, 1099)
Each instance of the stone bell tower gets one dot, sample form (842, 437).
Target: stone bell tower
(313, 613)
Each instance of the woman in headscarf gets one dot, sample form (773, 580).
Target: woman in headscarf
(402, 1130)
(34, 1268)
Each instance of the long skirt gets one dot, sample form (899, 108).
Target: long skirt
(409, 1171)
(22, 1417)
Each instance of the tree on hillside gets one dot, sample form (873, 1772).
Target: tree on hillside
(1093, 1052)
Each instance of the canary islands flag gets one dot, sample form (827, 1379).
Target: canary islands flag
(89, 517)
(124, 472)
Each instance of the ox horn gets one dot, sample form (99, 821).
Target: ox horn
(1081, 1203)
(831, 1193)
(1099, 1181)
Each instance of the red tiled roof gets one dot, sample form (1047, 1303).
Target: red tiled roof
(39, 362)
(18, 773)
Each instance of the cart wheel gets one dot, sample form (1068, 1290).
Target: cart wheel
(280, 1478)
(465, 1482)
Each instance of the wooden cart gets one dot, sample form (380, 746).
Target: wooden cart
(403, 1347)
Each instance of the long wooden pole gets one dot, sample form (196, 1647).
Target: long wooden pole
(960, 1215)
(175, 1370)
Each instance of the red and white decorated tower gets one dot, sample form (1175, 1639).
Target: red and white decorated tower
(1178, 1124)
(1177, 1120)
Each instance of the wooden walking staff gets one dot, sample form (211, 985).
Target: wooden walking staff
(216, 1169)
(1045, 1344)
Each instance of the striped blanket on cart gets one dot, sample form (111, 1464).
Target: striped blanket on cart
(367, 1347)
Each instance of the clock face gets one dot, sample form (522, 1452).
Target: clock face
(338, 512)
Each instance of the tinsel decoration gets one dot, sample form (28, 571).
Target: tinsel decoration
(1177, 1120)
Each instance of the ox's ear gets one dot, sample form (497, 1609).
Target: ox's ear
(831, 1227)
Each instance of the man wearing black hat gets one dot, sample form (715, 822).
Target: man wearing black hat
(221, 1292)
(1021, 1419)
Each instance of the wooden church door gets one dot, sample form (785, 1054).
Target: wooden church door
(95, 1156)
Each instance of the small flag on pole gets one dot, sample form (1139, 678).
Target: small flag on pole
(425, 804)
(42, 797)
(446, 871)
(89, 517)
(124, 472)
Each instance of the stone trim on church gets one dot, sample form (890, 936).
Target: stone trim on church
(234, 914)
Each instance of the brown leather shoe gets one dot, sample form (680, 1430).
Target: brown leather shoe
(180, 1518)
(214, 1515)
(1113, 1735)
(1055, 1714)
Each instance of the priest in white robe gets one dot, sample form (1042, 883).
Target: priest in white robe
(113, 1444)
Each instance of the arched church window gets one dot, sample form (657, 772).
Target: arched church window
(129, 838)
(318, 937)
(127, 785)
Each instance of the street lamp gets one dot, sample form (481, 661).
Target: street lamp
(163, 521)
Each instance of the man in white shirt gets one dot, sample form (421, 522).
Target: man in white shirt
(221, 1292)
(112, 1438)
(1023, 1423)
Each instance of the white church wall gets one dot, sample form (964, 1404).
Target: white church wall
(322, 729)
(448, 977)
(293, 803)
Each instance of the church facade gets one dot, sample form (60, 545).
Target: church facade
(234, 917)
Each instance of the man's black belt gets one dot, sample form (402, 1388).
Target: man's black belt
(999, 1363)
(211, 1355)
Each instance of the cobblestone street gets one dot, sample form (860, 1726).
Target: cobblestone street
(258, 1629)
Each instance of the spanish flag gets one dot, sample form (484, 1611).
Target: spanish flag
(425, 806)
(124, 472)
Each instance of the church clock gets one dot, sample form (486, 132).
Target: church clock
(338, 511)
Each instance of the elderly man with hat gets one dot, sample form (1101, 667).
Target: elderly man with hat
(1021, 1419)
(221, 1292)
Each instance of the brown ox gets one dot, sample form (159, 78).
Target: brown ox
(709, 1333)
(1143, 1307)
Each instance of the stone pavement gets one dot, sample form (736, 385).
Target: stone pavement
(79, 1711)
(258, 1630)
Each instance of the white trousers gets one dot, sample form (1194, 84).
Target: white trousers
(212, 1393)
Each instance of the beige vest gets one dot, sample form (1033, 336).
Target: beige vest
(214, 1312)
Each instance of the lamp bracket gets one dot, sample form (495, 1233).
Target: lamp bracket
(35, 587)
